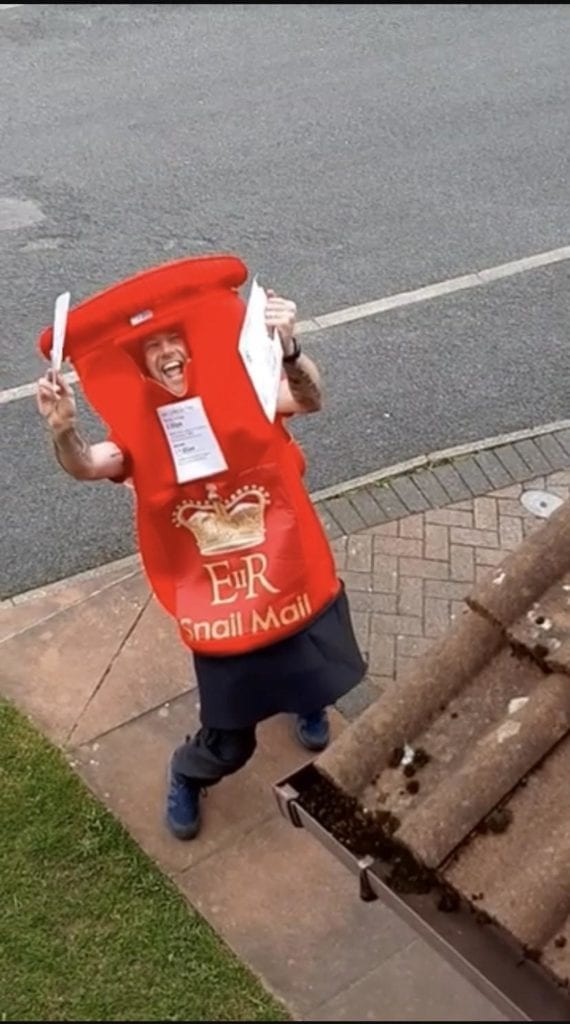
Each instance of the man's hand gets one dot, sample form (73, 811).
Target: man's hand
(281, 315)
(56, 403)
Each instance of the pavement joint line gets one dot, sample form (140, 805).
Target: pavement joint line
(109, 667)
(132, 563)
(349, 314)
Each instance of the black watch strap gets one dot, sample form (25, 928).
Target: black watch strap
(294, 355)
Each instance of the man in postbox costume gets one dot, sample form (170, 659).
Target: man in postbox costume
(229, 539)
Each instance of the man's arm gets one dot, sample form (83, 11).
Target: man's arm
(84, 461)
(76, 456)
(300, 389)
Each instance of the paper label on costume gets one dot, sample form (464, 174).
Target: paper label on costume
(261, 353)
(59, 324)
(193, 444)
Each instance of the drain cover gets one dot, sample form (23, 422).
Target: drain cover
(541, 503)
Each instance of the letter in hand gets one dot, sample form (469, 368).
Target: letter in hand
(56, 402)
(281, 315)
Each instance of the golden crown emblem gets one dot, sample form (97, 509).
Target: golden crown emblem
(220, 524)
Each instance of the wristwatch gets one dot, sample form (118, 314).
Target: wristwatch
(294, 355)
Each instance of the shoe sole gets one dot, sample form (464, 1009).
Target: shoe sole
(313, 746)
(183, 833)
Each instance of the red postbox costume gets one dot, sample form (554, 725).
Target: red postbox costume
(239, 558)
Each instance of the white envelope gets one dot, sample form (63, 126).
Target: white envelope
(59, 324)
(261, 353)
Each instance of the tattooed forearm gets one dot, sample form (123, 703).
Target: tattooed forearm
(304, 383)
(73, 453)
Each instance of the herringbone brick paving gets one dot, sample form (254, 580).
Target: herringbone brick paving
(407, 578)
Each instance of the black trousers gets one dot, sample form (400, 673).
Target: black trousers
(310, 669)
(213, 753)
(305, 672)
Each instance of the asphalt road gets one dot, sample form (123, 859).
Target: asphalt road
(345, 152)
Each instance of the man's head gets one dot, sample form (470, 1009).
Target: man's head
(165, 356)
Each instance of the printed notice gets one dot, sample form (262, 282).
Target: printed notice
(262, 353)
(193, 444)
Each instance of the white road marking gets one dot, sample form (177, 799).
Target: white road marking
(434, 291)
(349, 314)
(7, 7)
(27, 390)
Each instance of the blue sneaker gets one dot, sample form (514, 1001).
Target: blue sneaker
(313, 730)
(183, 806)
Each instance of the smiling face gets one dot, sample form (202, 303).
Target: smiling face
(165, 356)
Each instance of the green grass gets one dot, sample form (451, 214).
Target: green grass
(89, 928)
